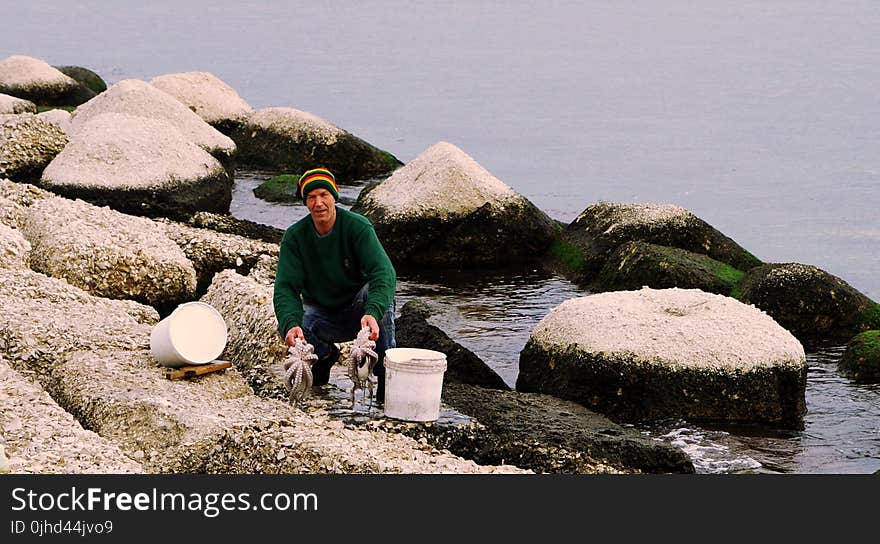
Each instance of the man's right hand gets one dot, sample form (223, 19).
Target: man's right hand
(292, 335)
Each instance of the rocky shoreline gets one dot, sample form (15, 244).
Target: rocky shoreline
(114, 214)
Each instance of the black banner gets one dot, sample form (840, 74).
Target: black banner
(127, 508)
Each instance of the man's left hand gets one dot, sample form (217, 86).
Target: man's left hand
(370, 321)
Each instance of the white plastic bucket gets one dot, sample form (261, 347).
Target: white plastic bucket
(194, 334)
(413, 383)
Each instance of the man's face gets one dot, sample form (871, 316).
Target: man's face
(321, 204)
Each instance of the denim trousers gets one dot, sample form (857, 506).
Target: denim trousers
(322, 328)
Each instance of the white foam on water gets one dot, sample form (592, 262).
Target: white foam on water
(708, 457)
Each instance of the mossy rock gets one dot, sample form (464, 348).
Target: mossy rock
(586, 244)
(281, 188)
(291, 140)
(490, 236)
(817, 307)
(637, 264)
(861, 360)
(85, 77)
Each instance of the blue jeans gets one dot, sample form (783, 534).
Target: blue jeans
(322, 328)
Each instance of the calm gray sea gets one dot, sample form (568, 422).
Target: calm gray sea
(760, 117)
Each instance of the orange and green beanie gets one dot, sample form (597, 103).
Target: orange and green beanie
(317, 177)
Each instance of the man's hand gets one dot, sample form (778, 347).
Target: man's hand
(293, 334)
(370, 321)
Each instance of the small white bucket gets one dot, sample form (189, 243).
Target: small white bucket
(413, 383)
(194, 334)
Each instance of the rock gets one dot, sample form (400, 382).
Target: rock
(533, 431)
(281, 188)
(34, 80)
(41, 438)
(817, 307)
(40, 323)
(241, 227)
(27, 284)
(292, 140)
(59, 118)
(14, 249)
(861, 360)
(210, 98)
(263, 271)
(638, 264)
(586, 244)
(672, 353)
(139, 98)
(85, 77)
(445, 210)
(15, 198)
(107, 253)
(11, 214)
(550, 435)
(412, 329)
(253, 341)
(139, 166)
(13, 105)
(214, 424)
(210, 251)
(27, 145)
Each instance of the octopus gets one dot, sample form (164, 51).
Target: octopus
(298, 370)
(361, 361)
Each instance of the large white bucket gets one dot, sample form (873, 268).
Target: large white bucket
(413, 383)
(194, 334)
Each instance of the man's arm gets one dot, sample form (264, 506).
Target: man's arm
(379, 272)
(288, 286)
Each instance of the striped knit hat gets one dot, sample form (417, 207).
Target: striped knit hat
(318, 177)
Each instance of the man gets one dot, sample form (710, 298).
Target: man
(333, 279)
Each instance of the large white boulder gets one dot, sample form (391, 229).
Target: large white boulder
(668, 353)
(35, 80)
(138, 165)
(204, 93)
(444, 209)
(139, 98)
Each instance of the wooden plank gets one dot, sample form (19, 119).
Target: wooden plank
(196, 370)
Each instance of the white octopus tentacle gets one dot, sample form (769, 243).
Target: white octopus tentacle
(298, 370)
(361, 361)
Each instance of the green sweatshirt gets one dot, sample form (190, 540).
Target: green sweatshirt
(328, 271)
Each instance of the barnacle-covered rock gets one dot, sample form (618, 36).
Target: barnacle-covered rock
(668, 353)
(139, 98)
(107, 253)
(253, 343)
(209, 97)
(27, 284)
(817, 307)
(233, 225)
(139, 166)
(15, 105)
(37, 81)
(40, 437)
(599, 230)
(263, 271)
(216, 425)
(210, 251)
(294, 140)
(36, 332)
(15, 199)
(14, 249)
(445, 210)
(27, 145)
